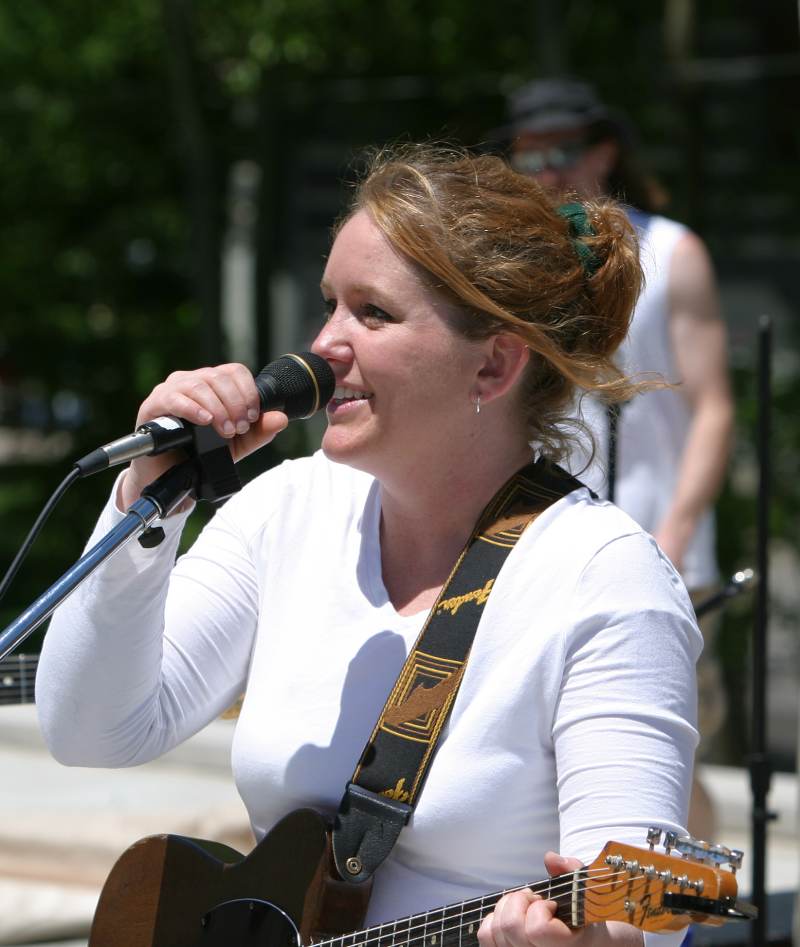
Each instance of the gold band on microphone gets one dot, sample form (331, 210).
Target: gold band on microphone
(317, 398)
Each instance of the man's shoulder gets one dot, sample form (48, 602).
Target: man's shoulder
(655, 229)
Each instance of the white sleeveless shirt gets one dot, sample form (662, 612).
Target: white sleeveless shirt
(653, 426)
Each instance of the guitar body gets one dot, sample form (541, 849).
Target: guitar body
(170, 891)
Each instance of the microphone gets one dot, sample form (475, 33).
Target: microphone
(299, 385)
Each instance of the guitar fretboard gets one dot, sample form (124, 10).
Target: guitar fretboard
(17, 677)
(457, 924)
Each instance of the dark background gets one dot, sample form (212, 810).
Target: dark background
(140, 141)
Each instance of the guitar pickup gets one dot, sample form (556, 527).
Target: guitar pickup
(729, 908)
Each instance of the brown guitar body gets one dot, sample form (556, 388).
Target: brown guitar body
(167, 891)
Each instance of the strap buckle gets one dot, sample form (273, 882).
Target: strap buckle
(364, 831)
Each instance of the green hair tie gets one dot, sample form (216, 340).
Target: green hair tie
(579, 226)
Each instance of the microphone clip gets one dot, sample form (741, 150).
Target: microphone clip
(209, 474)
(217, 477)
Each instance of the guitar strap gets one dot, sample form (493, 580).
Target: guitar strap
(380, 797)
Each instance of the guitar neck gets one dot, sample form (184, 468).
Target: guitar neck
(17, 678)
(457, 924)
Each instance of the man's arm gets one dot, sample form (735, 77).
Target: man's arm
(699, 341)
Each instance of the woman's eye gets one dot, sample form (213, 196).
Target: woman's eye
(374, 314)
(329, 307)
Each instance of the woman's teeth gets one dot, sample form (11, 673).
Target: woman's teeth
(349, 394)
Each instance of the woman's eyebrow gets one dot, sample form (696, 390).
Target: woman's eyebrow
(360, 289)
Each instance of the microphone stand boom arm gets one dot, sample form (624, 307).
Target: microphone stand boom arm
(210, 475)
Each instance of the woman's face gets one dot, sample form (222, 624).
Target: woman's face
(404, 377)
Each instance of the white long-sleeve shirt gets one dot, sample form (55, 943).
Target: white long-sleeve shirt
(574, 723)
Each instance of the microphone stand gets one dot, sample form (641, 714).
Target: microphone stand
(210, 475)
(758, 760)
(737, 584)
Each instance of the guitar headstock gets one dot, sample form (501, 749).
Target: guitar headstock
(690, 882)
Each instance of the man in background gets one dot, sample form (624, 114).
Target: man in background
(663, 457)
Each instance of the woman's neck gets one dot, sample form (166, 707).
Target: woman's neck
(427, 519)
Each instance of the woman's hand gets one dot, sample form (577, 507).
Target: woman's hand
(225, 397)
(525, 919)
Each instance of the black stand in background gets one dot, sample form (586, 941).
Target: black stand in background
(758, 760)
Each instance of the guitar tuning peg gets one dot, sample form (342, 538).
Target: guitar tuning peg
(720, 854)
(670, 840)
(735, 859)
(653, 836)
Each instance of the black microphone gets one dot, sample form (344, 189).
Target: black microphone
(299, 385)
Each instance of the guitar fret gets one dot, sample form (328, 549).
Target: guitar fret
(17, 677)
(402, 931)
(433, 933)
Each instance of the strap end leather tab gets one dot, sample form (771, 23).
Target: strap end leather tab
(365, 829)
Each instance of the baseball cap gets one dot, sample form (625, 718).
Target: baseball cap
(558, 104)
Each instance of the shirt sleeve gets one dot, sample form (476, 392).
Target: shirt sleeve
(147, 651)
(625, 725)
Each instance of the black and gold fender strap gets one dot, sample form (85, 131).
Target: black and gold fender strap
(388, 779)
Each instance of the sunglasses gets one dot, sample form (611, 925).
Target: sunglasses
(554, 158)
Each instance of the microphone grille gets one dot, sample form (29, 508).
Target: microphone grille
(306, 382)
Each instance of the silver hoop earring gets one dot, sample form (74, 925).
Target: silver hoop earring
(478, 403)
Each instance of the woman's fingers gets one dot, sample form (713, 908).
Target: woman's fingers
(559, 864)
(522, 919)
(525, 919)
(224, 397)
(259, 434)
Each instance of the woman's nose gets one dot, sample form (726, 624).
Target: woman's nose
(331, 341)
(548, 177)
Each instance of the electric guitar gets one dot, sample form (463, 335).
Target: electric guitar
(170, 891)
(17, 675)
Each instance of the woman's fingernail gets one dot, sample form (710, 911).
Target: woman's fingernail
(203, 415)
(242, 427)
(253, 414)
(228, 429)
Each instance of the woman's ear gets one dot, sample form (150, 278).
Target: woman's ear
(505, 362)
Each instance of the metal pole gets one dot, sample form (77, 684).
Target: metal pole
(136, 520)
(760, 773)
(207, 473)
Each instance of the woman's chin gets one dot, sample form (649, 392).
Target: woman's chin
(347, 450)
(338, 447)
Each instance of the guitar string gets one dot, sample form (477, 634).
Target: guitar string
(592, 888)
(428, 930)
(478, 905)
(21, 670)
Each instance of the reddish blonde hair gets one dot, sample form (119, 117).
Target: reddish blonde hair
(491, 240)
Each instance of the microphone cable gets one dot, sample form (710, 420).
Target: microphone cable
(41, 519)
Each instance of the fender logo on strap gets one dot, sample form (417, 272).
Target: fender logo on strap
(478, 596)
(398, 792)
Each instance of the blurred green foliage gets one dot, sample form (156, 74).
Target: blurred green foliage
(119, 123)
